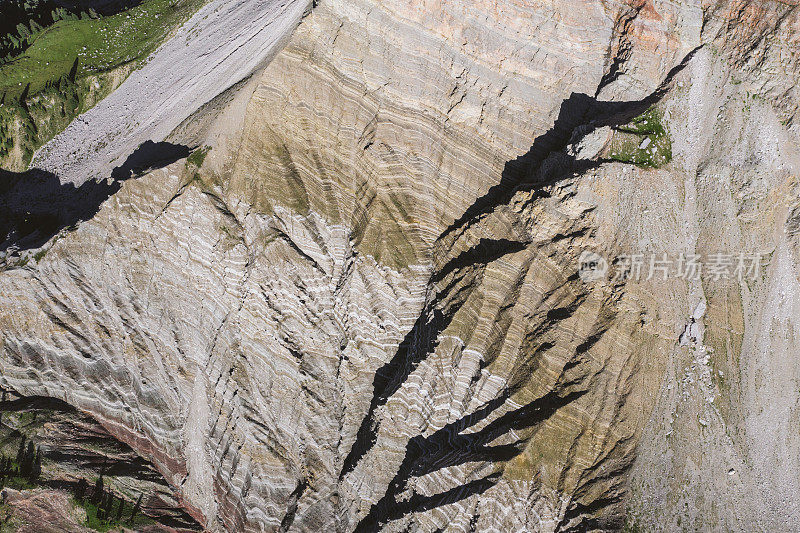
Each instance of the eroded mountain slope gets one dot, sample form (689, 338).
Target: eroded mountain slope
(221, 45)
(363, 308)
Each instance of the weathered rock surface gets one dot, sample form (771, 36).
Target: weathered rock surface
(364, 309)
(51, 511)
(45, 511)
(221, 45)
(73, 452)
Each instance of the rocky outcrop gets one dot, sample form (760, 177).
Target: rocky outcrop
(46, 511)
(51, 511)
(71, 452)
(364, 309)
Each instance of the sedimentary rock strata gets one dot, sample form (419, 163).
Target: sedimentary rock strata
(363, 309)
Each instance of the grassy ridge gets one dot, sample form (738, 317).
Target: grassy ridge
(73, 64)
(99, 45)
(23, 20)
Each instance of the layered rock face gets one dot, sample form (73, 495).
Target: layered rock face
(74, 451)
(363, 310)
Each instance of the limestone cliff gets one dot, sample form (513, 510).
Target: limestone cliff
(362, 309)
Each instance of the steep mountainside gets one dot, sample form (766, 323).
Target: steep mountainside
(359, 304)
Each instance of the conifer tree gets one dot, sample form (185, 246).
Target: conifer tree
(21, 452)
(136, 507)
(36, 469)
(120, 508)
(26, 465)
(98, 490)
(80, 492)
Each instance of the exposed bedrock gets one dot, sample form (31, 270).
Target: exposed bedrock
(363, 310)
(73, 452)
(215, 50)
